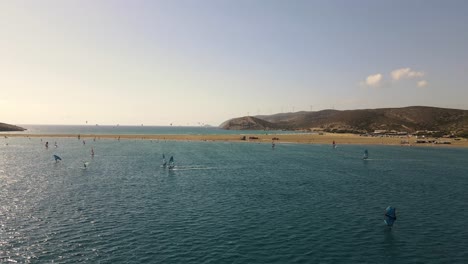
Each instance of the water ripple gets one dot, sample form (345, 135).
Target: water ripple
(298, 204)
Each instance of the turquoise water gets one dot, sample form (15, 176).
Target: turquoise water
(137, 130)
(230, 203)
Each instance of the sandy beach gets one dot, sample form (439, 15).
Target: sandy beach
(326, 138)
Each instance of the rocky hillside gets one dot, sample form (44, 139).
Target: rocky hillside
(7, 127)
(248, 123)
(408, 119)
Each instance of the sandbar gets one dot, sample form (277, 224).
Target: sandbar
(300, 138)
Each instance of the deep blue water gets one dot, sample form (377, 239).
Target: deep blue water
(230, 203)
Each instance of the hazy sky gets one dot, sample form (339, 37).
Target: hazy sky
(199, 61)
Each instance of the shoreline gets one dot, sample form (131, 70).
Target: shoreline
(328, 138)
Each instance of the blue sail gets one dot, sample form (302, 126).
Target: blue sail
(390, 216)
(366, 154)
(57, 158)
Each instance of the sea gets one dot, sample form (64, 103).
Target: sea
(229, 202)
(140, 130)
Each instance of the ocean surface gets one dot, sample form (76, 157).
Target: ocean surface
(138, 130)
(230, 203)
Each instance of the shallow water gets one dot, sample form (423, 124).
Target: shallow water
(230, 203)
(138, 130)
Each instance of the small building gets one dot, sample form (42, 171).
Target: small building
(380, 131)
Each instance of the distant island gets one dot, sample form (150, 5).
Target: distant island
(413, 119)
(7, 127)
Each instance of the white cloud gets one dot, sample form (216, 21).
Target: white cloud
(422, 83)
(405, 73)
(377, 79)
(374, 80)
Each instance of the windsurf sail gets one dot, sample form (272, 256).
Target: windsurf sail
(366, 154)
(164, 162)
(57, 158)
(171, 162)
(390, 216)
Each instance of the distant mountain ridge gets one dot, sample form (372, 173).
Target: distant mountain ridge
(407, 119)
(7, 127)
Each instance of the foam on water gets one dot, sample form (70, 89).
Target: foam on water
(230, 203)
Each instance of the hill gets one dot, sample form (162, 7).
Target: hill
(406, 119)
(7, 127)
(248, 123)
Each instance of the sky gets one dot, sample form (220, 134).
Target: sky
(195, 62)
